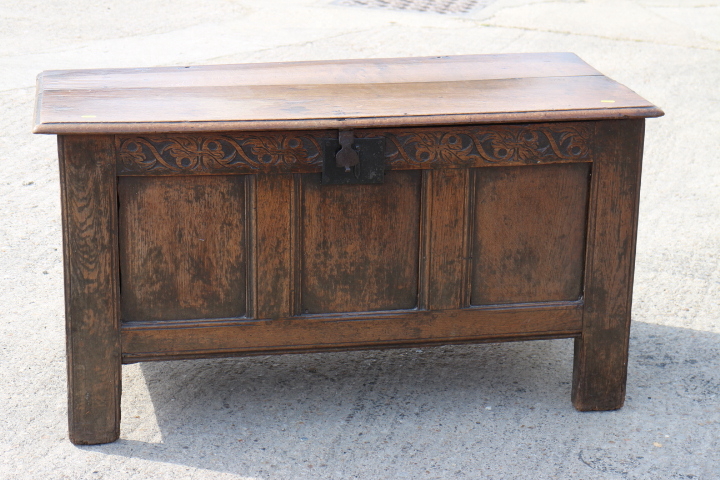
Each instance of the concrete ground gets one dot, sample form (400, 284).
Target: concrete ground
(477, 412)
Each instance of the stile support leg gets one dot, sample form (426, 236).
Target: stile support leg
(89, 204)
(601, 352)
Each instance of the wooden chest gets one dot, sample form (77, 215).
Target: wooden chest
(314, 206)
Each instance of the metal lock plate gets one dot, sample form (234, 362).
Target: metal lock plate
(353, 161)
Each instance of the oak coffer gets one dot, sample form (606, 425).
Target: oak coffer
(310, 206)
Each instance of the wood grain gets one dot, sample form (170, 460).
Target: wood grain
(341, 331)
(360, 245)
(529, 233)
(447, 199)
(89, 212)
(601, 353)
(183, 248)
(275, 211)
(327, 72)
(339, 94)
(588, 114)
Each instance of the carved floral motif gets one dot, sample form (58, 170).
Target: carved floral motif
(410, 148)
(486, 145)
(168, 154)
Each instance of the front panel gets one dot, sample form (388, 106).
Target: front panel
(237, 231)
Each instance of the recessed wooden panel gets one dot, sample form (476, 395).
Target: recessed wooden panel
(182, 247)
(528, 237)
(360, 245)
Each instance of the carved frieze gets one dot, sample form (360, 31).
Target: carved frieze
(300, 152)
(477, 146)
(219, 153)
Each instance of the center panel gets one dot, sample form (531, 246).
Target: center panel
(360, 244)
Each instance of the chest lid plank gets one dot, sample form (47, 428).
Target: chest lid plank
(466, 89)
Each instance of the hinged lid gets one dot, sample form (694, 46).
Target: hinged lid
(465, 89)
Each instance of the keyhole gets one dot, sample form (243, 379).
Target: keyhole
(347, 157)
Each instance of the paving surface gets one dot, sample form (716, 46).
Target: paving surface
(476, 412)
